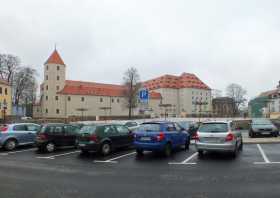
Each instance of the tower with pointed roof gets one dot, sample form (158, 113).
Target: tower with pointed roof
(54, 81)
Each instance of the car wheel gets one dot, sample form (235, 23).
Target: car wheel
(10, 145)
(253, 135)
(50, 147)
(84, 152)
(235, 152)
(139, 152)
(187, 145)
(105, 148)
(241, 146)
(167, 150)
(276, 134)
(200, 153)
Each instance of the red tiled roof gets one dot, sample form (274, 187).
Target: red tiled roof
(96, 89)
(55, 59)
(185, 80)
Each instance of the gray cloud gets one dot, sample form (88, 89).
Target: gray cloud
(220, 41)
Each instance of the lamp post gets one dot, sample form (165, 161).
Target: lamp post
(200, 103)
(82, 110)
(4, 110)
(105, 110)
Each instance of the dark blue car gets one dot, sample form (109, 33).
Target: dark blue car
(160, 136)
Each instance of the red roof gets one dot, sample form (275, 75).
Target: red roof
(185, 80)
(55, 59)
(97, 89)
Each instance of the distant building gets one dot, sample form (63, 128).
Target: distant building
(5, 99)
(186, 94)
(61, 98)
(224, 107)
(267, 104)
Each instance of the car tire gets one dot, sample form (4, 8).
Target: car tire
(253, 135)
(235, 152)
(105, 148)
(275, 134)
(50, 147)
(10, 145)
(84, 152)
(241, 146)
(167, 150)
(187, 145)
(139, 152)
(200, 153)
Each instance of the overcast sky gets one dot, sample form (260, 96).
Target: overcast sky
(221, 42)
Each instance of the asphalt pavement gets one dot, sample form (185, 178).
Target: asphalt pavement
(67, 173)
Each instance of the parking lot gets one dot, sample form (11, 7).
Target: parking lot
(67, 173)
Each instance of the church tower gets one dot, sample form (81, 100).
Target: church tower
(54, 81)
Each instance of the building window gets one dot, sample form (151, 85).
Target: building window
(112, 100)
(0, 90)
(57, 111)
(57, 78)
(57, 68)
(47, 67)
(57, 87)
(82, 99)
(47, 87)
(47, 111)
(47, 77)
(69, 98)
(101, 99)
(56, 97)
(118, 100)
(6, 91)
(47, 97)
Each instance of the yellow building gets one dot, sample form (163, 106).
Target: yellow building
(5, 99)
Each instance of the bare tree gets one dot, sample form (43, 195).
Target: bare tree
(25, 86)
(8, 66)
(237, 93)
(132, 85)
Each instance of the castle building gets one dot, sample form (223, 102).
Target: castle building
(61, 98)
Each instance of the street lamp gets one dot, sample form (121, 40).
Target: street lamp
(165, 106)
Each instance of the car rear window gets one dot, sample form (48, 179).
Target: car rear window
(213, 128)
(149, 127)
(88, 129)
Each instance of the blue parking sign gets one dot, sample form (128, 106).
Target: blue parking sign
(144, 95)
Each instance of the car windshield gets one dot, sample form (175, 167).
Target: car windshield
(185, 125)
(213, 128)
(130, 124)
(261, 122)
(148, 127)
(88, 129)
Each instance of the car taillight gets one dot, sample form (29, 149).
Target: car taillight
(93, 138)
(196, 137)
(42, 136)
(160, 137)
(4, 129)
(230, 137)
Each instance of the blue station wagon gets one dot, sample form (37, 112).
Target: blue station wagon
(13, 135)
(160, 136)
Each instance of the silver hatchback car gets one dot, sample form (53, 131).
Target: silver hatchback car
(218, 136)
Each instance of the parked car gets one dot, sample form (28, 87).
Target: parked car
(262, 126)
(160, 136)
(190, 126)
(218, 136)
(103, 138)
(13, 135)
(131, 125)
(52, 136)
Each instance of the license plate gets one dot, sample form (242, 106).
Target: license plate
(211, 140)
(81, 144)
(145, 138)
(265, 133)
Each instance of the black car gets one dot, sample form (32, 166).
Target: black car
(52, 136)
(104, 138)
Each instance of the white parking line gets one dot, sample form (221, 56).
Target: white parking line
(20, 151)
(186, 161)
(266, 160)
(112, 160)
(58, 155)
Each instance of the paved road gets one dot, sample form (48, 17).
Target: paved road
(66, 173)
